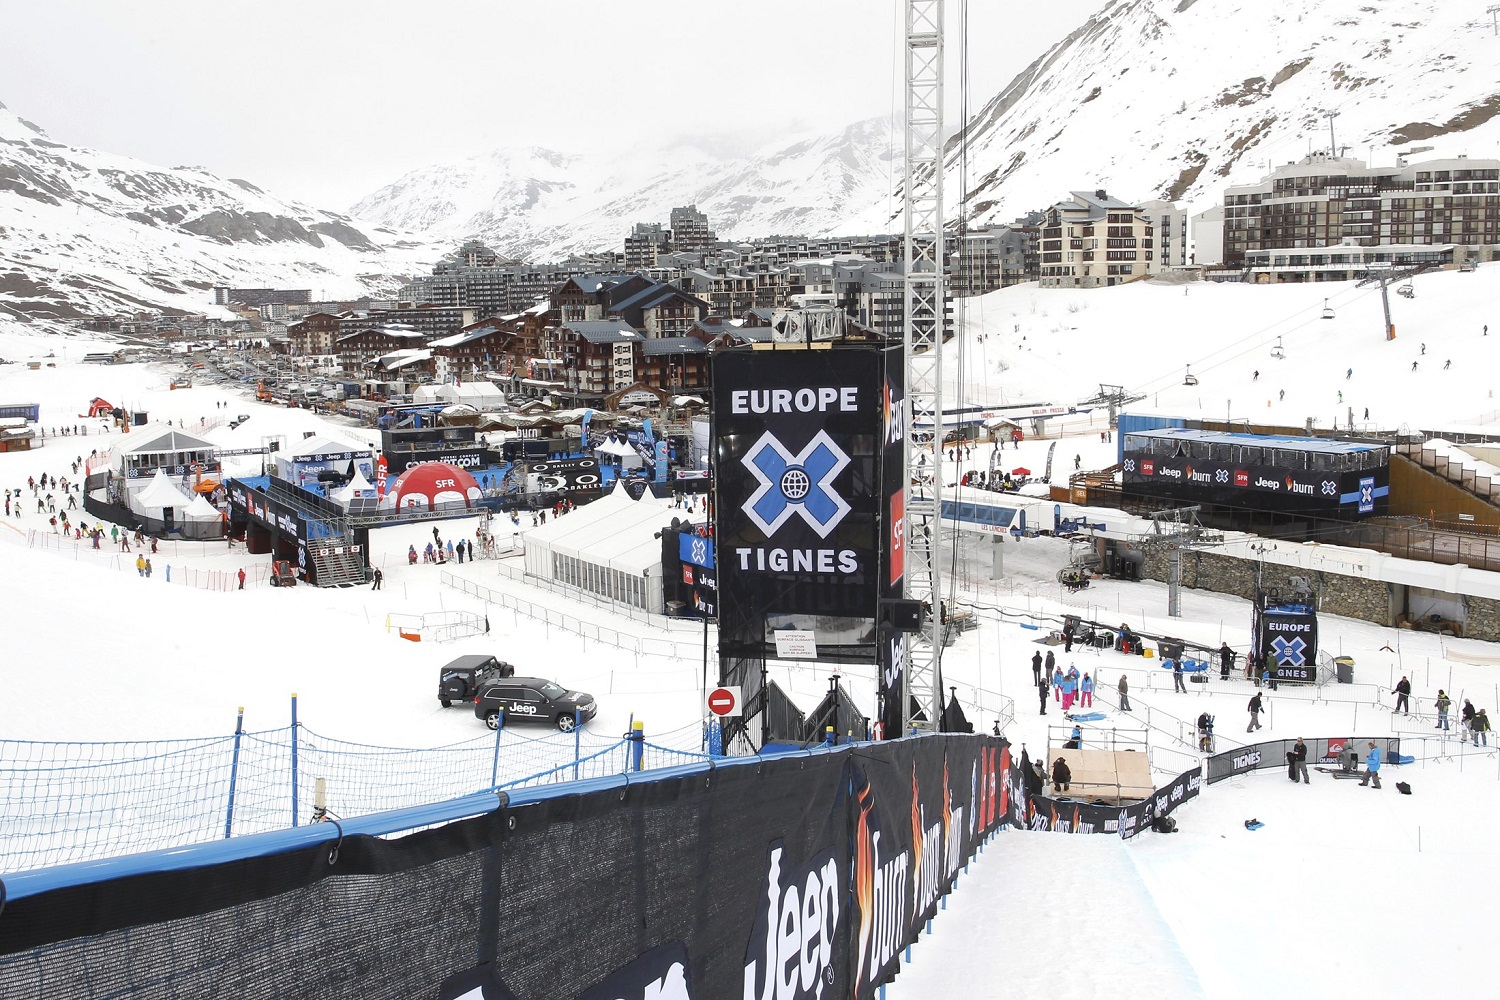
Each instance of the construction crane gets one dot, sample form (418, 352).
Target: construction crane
(1385, 276)
(925, 301)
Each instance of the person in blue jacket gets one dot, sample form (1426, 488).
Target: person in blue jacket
(1372, 767)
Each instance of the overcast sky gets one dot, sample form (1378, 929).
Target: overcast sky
(326, 100)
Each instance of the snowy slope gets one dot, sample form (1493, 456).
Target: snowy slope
(1177, 98)
(1058, 345)
(543, 205)
(83, 231)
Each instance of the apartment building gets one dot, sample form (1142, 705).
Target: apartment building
(996, 257)
(1324, 201)
(1095, 241)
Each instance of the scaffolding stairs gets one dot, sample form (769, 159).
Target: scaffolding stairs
(337, 562)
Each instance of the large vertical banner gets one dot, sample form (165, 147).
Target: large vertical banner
(799, 500)
(1288, 638)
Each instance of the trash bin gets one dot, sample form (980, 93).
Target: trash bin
(1344, 669)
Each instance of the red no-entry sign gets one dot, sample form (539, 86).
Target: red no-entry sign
(724, 701)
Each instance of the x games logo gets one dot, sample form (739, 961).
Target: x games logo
(796, 484)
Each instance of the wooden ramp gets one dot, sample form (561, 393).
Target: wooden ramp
(1111, 777)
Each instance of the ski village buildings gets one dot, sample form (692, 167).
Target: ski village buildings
(647, 316)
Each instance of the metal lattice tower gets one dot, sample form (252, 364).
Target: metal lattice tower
(922, 188)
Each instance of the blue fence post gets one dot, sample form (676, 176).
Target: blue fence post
(495, 764)
(234, 773)
(294, 758)
(577, 739)
(638, 747)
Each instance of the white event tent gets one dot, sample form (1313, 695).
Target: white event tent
(610, 547)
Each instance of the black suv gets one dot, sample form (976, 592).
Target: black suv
(532, 699)
(461, 679)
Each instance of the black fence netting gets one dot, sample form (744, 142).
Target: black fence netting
(788, 877)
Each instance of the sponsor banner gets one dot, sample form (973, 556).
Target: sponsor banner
(1064, 815)
(570, 475)
(1289, 641)
(695, 549)
(462, 458)
(1331, 750)
(266, 511)
(798, 500)
(1259, 487)
(891, 665)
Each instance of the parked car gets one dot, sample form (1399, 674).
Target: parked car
(533, 699)
(461, 679)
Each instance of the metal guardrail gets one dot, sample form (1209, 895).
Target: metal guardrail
(638, 645)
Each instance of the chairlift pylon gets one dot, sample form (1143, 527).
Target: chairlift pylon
(1278, 352)
(1327, 310)
(1189, 378)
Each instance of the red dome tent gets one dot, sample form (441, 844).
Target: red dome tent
(433, 486)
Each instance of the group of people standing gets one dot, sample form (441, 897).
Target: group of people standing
(1068, 687)
(1474, 722)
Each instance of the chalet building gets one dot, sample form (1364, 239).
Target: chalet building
(473, 351)
(589, 297)
(598, 357)
(354, 350)
(1094, 241)
(716, 331)
(674, 364)
(313, 334)
(660, 311)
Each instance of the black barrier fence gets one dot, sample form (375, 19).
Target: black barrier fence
(795, 876)
(1060, 814)
(1330, 751)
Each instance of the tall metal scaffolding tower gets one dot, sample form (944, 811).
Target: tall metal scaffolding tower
(922, 187)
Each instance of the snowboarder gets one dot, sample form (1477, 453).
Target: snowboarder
(1413, 368)
(1349, 374)
(1372, 767)
(1403, 696)
(1442, 705)
(1124, 689)
(1447, 364)
(1341, 395)
(1254, 708)
(1255, 377)
(1424, 349)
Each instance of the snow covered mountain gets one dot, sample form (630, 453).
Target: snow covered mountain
(1149, 99)
(83, 231)
(543, 205)
(1176, 99)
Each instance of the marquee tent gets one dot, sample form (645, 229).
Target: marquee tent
(609, 548)
(432, 486)
(358, 488)
(201, 520)
(159, 504)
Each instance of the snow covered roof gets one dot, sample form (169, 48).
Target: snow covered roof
(673, 345)
(162, 438)
(318, 445)
(604, 331)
